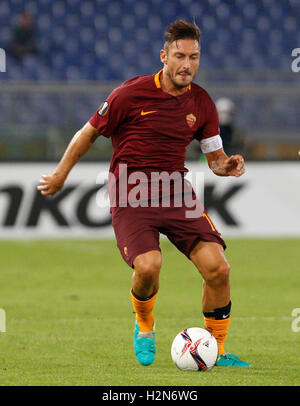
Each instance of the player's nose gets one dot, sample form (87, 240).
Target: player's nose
(187, 64)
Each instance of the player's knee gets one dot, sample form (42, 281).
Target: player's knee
(219, 274)
(148, 266)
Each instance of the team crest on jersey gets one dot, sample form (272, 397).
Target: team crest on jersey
(190, 119)
(103, 109)
(126, 251)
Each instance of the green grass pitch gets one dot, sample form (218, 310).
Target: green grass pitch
(69, 318)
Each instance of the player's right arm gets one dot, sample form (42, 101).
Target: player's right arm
(104, 122)
(78, 146)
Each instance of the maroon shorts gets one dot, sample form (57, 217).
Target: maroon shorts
(137, 229)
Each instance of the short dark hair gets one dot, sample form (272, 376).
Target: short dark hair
(181, 29)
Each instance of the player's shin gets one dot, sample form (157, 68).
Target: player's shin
(217, 323)
(143, 307)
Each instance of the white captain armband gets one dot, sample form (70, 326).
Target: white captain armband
(211, 144)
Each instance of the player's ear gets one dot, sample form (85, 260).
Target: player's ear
(163, 56)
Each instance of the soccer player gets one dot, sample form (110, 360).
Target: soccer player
(151, 119)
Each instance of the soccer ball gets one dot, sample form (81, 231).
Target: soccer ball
(194, 349)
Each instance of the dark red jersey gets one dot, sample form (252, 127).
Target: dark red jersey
(150, 129)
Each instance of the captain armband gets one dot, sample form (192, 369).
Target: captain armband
(211, 144)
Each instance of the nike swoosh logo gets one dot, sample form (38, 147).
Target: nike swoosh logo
(143, 113)
(226, 315)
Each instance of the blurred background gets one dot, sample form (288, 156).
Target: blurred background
(65, 295)
(64, 57)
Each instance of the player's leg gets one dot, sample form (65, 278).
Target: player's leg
(145, 278)
(138, 242)
(198, 238)
(211, 262)
(145, 284)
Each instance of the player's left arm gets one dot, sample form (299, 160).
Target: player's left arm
(222, 165)
(211, 144)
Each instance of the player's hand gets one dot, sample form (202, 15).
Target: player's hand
(51, 184)
(234, 165)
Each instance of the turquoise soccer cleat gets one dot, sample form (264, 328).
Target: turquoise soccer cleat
(230, 360)
(144, 346)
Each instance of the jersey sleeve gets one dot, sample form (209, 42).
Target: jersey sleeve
(110, 114)
(209, 134)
